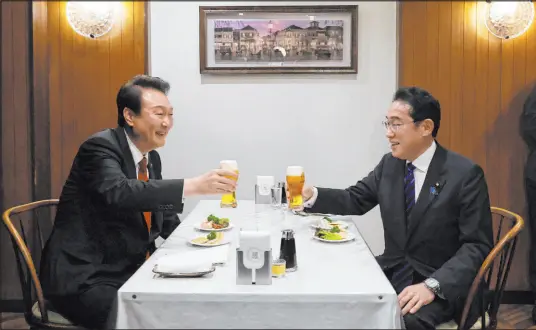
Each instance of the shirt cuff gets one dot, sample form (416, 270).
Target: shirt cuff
(312, 200)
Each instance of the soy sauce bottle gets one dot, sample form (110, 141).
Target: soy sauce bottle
(288, 250)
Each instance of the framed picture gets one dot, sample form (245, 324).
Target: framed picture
(278, 39)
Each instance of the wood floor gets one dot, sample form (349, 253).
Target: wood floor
(510, 317)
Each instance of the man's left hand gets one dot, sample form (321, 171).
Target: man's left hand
(413, 297)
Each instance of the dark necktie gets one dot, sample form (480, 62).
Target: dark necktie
(144, 176)
(403, 274)
(409, 189)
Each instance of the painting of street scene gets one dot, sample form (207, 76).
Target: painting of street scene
(283, 40)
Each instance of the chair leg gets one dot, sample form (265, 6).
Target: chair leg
(534, 314)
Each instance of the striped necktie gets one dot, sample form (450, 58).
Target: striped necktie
(403, 274)
(409, 189)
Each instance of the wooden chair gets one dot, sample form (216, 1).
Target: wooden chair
(39, 314)
(503, 252)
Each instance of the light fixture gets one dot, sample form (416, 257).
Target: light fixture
(509, 19)
(92, 19)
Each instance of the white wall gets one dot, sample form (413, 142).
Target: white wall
(331, 125)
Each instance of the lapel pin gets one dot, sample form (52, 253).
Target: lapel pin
(434, 190)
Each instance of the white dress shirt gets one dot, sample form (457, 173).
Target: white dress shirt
(422, 163)
(137, 155)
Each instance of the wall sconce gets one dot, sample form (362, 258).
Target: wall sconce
(92, 19)
(509, 19)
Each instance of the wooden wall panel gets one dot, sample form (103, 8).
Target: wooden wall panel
(84, 77)
(481, 82)
(58, 88)
(16, 177)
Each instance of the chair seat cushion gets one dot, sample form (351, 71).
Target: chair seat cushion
(453, 325)
(53, 317)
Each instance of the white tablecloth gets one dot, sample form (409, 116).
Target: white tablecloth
(337, 285)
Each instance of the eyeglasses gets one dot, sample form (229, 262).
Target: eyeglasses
(394, 127)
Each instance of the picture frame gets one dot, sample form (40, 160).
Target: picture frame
(278, 39)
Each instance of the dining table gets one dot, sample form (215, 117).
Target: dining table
(336, 284)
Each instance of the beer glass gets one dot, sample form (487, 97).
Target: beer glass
(229, 200)
(295, 182)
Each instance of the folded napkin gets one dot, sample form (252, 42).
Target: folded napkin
(192, 261)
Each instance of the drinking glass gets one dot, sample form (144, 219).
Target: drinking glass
(229, 200)
(295, 182)
(278, 268)
(277, 192)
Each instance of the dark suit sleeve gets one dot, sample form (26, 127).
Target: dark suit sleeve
(100, 168)
(476, 237)
(528, 120)
(171, 219)
(354, 200)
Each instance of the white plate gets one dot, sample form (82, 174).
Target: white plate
(198, 227)
(183, 275)
(222, 242)
(350, 237)
(341, 225)
(340, 218)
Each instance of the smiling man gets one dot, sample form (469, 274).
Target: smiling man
(435, 210)
(114, 205)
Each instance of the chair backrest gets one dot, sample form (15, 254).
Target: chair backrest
(507, 229)
(28, 214)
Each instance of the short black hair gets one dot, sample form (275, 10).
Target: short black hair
(129, 95)
(423, 105)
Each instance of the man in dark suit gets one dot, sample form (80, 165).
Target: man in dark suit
(528, 132)
(114, 205)
(435, 210)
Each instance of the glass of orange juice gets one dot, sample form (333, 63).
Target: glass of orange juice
(279, 267)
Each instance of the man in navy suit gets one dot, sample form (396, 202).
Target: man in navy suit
(435, 210)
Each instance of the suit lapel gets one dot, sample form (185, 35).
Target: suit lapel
(397, 201)
(128, 162)
(157, 217)
(426, 197)
(128, 166)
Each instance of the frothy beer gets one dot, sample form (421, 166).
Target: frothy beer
(295, 182)
(229, 200)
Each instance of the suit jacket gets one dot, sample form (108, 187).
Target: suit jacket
(528, 120)
(449, 232)
(527, 126)
(100, 234)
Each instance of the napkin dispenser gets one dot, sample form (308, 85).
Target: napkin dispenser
(263, 190)
(254, 258)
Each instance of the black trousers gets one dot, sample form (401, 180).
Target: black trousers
(91, 309)
(530, 188)
(429, 316)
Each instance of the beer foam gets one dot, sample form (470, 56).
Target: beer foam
(229, 165)
(294, 170)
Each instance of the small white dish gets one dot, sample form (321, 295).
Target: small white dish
(210, 244)
(340, 224)
(350, 237)
(198, 227)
